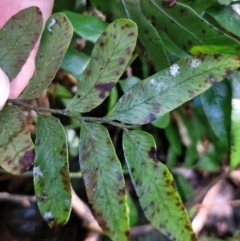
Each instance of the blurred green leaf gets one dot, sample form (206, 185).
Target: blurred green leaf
(216, 103)
(226, 17)
(235, 120)
(61, 91)
(88, 27)
(108, 61)
(55, 40)
(51, 174)
(104, 181)
(74, 62)
(17, 39)
(155, 187)
(169, 88)
(113, 98)
(133, 213)
(16, 146)
(162, 121)
(127, 83)
(209, 162)
(184, 187)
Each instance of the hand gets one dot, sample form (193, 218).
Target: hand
(8, 9)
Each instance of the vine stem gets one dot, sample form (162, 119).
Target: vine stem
(82, 119)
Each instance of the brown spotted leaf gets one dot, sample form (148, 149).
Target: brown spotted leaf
(108, 61)
(53, 46)
(17, 38)
(51, 173)
(155, 187)
(16, 146)
(168, 26)
(103, 178)
(169, 88)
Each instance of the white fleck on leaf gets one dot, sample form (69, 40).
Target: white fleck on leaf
(174, 70)
(37, 172)
(53, 21)
(195, 63)
(236, 108)
(47, 216)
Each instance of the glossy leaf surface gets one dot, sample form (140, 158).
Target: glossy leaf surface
(168, 89)
(88, 27)
(108, 61)
(216, 103)
(74, 62)
(103, 178)
(155, 187)
(53, 46)
(17, 38)
(164, 26)
(51, 174)
(16, 146)
(235, 120)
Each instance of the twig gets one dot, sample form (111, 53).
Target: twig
(24, 200)
(108, 120)
(84, 212)
(233, 203)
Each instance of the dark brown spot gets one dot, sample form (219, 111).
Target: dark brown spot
(132, 169)
(101, 44)
(104, 33)
(152, 153)
(88, 73)
(203, 31)
(128, 51)
(78, 96)
(182, 10)
(121, 61)
(216, 56)
(131, 34)
(121, 192)
(127, 233)
(104, 88)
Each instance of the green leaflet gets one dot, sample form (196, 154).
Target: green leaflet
(16, 146)
(162, 121)
(164, 26)
(147, 34)
(225, 16)
(51, 175)
(53, 46)
(88, 27)
(155, 187)
(17, 38)
(216, 103)
(235, 120)
(169, 88)
(108, 61)
(103, 178)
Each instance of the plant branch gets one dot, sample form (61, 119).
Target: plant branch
(107, 120)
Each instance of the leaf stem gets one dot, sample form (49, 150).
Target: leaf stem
(107, 120)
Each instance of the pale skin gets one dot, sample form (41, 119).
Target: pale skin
(11, 90)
